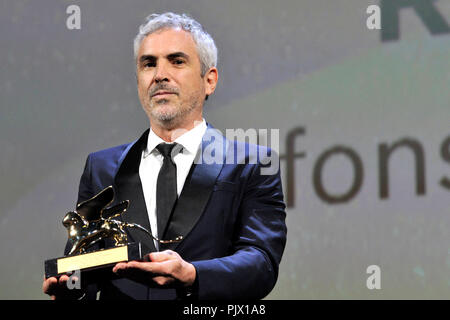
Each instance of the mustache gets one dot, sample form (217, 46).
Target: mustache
(162, 87)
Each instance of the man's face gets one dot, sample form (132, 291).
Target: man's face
(170, 84)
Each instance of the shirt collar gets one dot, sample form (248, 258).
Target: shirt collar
(189, 140)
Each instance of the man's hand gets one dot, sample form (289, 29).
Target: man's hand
(164, 268)
(57, 288)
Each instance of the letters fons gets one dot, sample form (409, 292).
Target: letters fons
(385, 152)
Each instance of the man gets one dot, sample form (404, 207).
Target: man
(230, 215)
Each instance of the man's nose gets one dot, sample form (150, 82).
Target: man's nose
(161, 74)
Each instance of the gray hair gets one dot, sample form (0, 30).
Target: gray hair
(206, 48)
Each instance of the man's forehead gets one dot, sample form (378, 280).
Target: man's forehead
(167, 41)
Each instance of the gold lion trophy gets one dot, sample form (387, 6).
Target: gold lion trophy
(91, 223)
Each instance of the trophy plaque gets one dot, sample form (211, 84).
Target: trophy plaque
(91, 223)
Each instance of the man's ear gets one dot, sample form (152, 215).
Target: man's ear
(211, 77)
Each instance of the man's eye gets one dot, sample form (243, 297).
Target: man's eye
(149, 64)
(178, 61)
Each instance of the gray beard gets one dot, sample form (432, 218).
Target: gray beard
(172, 118)
(164, 116)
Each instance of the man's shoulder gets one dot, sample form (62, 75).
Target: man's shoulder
(249, 152)
(109, 153)
(118, 151)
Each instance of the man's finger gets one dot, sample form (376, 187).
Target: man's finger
(163, 281)
(53, 285)
(151, 268)
(49, 284)
(163, 256)
(139, 272)
(119, 266)
(63, 279)
(156, 268)
(132, 267)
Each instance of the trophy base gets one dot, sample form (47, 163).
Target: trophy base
(93, 260)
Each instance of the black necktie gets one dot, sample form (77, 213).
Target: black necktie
(166, 188)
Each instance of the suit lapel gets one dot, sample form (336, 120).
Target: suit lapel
(197, 188)
(128, 187)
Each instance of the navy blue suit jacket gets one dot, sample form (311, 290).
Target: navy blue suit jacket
(232, 218)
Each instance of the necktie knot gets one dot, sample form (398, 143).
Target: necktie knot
(166, 149)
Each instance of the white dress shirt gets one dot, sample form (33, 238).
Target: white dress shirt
(151, 162)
